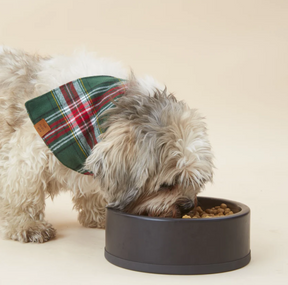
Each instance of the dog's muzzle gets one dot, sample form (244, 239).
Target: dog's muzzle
(185, 205)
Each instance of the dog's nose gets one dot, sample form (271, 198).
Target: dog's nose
(185, 205)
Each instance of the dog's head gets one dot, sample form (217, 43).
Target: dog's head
(154, 157)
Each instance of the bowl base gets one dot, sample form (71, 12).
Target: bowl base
(176, 269)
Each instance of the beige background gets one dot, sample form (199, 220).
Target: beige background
(227, 58)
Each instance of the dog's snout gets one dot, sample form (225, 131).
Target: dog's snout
(185, 205)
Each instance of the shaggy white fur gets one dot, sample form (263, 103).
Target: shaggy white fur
(154, 158)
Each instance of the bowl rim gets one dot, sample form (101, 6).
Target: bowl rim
(244, 211)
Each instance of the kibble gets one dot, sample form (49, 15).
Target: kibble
(217, 211)
(223, 206)
(186, 217)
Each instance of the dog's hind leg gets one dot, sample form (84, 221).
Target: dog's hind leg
(91, 209)
(23, 180)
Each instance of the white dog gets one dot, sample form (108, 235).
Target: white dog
(152, 158)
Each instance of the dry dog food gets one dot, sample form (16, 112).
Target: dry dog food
(218, 211)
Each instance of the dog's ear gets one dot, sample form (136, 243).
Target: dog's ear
(95, 162)
(194, 157)
(99, 161)
(116, 163)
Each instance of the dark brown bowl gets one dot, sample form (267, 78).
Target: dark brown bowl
(180, 246)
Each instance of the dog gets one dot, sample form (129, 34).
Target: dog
(153, 158)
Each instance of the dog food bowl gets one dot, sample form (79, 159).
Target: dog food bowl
(180, 246)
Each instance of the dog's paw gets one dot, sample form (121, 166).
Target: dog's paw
(38, 232)
(90, 221)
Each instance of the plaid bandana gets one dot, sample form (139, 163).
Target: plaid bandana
(67, 117)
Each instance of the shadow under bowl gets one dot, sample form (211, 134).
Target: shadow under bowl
(180, 246)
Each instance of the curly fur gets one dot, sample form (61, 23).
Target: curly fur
(153, 159)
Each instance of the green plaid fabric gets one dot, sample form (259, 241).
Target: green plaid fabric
(72, 112)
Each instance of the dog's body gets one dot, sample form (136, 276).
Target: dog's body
(153, 159)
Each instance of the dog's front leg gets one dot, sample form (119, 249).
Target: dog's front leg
(22, 197)
(91, 209)
(22, 212)
(23, 217)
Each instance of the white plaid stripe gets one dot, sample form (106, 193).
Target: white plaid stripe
(80, 90)
(79, 130)
(80, 137)
(88, 109)
(71, 137)
(66, 111)
(98, 90)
